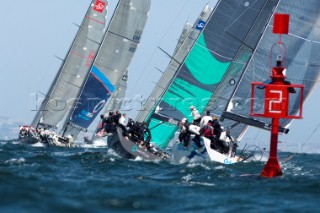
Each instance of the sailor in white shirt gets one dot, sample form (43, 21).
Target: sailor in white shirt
(205, 119)
(196, 115)
(122, 119)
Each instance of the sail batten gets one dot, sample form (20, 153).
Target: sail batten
(300, 53)
(71, 75)
(179, 56)
(228, 40)
(118, 47)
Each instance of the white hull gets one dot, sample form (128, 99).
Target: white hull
(50, 141)
(61, 142)
(192, 153)
(217, 156)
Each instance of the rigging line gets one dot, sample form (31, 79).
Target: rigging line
(171, 57)
(314, 131)
(302, 38)
(258, 133)
(304, 143)
(94, 41)
(121, 36)
(240, 15)
(72, 84)
(215, 53)
(42, 93)
(164, 35)
(159, 70)
(304, 80)
(293, 59)
(239, 40)
(59, 58)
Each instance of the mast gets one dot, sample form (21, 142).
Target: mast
(75, 66)
(165, 78)
(219, 102)
(110, 65)
(179, 57)
(301, 61)
(254, 50)
(206, 65)
(76, 129)
(36, 119)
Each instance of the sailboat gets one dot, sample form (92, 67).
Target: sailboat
(228, 40)
(71, 76)
(118, 96)
(128, 148)
(301, 62)
(187, 39)
(104, 74)
(231, 49)
(107, 79)
(231, 99)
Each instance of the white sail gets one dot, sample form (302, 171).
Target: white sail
(233, 29)
(302, 60)
(180, 54)
(67, 84)
(110, 66)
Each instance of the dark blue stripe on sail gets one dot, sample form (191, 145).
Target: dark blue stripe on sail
(102, 78)
(96, 93)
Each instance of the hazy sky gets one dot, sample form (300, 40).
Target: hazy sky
(34, 31)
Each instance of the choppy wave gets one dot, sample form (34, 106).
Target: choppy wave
(95, 179)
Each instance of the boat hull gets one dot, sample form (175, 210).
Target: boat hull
(50, 141)
(192, 153)
(29, 140)
(129, 149)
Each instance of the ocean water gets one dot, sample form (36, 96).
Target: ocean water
(38, 179)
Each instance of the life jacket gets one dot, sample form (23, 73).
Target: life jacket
(208, 131)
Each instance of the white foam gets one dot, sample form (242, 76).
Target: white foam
(38, 144)
(219, 167)
(187, 178)
(193, 165)
(138, 158)
(202, 184)
(95, 144)
(65, 154)
(16, 161)
(183, 160)
(113, 153)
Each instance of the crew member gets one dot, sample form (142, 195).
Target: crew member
(205, 119)
(196, 115)
(185, 134)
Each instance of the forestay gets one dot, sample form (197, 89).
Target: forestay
(188, 38)
(68, 81)
(227, 30)
(110, 66)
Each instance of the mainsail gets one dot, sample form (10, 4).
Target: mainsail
(117, 98)
(110, 65)
(229, 36)
(302, 61)
(69, 79)
(186, 41)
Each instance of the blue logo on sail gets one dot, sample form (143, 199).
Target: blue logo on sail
(200, 25)
(134, 148)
